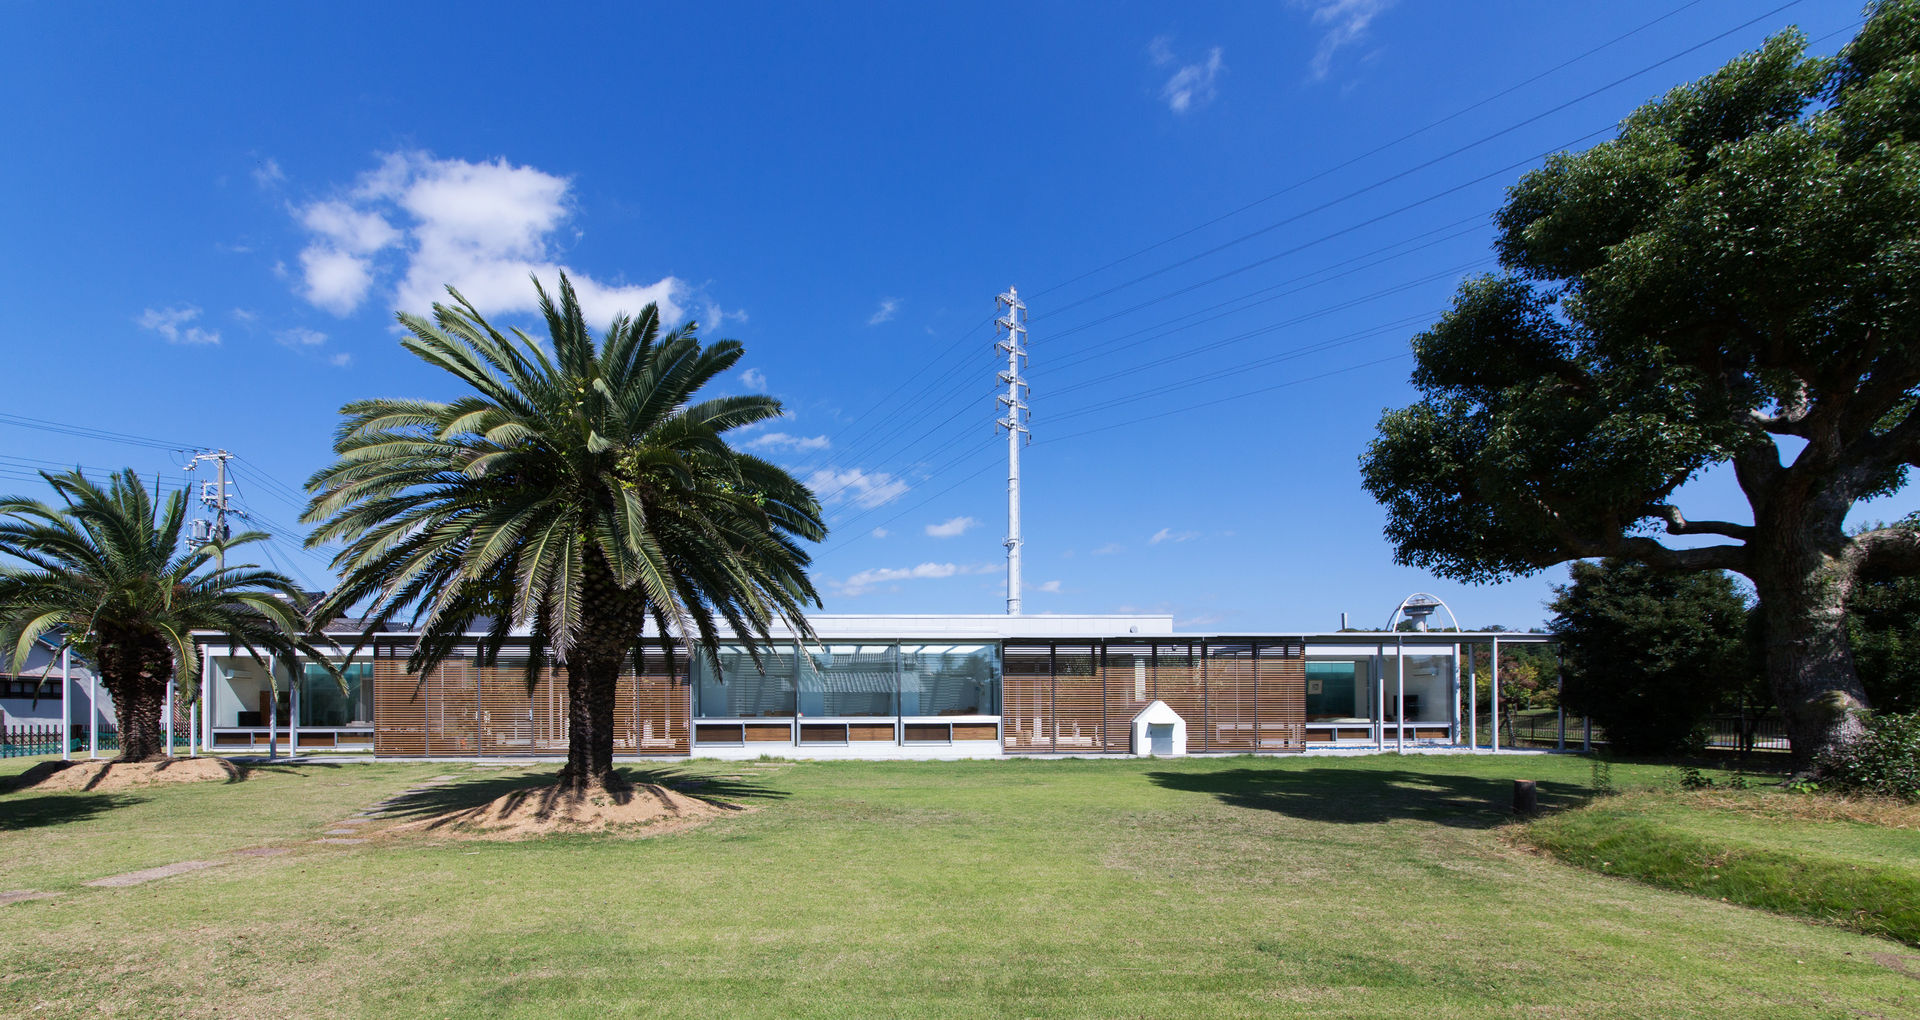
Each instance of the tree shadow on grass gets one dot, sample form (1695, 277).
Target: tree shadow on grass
(473, 791)
(35, 811)
(1367, 796)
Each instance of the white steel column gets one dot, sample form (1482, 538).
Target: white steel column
(1014, 343)
(1380, 697)
(66, 711)
(1399, 693)
(1493, 683)
(93, 713)
(293, 713)
(1473, 705)
(273, 710)
(166, 718)
(206, 700)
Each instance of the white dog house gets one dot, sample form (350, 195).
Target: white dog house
(1159, 731)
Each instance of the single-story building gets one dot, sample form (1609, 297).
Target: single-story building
(881, 686)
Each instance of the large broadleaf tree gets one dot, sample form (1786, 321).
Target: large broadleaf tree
(1733, 280)
(576, 492)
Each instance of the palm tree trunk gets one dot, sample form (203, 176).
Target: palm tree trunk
(612, 618)
(135, 673)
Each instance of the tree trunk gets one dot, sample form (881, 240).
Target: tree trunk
(135, 672)
(611, 620)
(1808, 661)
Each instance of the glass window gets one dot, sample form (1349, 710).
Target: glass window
(743, 690)
(849, 680)
(1332, 691)
(322, 703)
(950, 679)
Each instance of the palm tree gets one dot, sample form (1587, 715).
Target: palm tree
(105, 575)
(578, 494)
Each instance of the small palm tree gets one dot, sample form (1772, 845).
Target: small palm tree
(579, 494)
(106, 575)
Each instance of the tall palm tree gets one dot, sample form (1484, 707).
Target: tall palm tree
(579, 494)
(106, 575)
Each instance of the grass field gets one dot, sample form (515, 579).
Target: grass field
(1852, 863)
(1371, 887)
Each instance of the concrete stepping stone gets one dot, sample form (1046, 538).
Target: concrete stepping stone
(340, 841)
(342, 832)
(21, 895)
(262, 851)
(355, 820)
(151, 874)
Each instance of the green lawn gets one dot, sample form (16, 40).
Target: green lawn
(1763, 848)
(1365, 887)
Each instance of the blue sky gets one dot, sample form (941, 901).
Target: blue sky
(1226, 220)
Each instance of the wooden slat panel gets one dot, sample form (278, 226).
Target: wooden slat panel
(453, 707)
(399, 710)
(662, 704)
(1177, 681)
(510, 720)
(718, 733)
(871, 731)
(975, 731)
(823, 733)
(1128, 679)
(769, 733)
(1026, 696)
(1230, 699)
(1079, 715)
(1282, 693)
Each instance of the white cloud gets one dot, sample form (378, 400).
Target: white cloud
(335, 280)
(171, 324)
(1190, 85)
(884, 313)
(715, 315)
(952, 526)
(881, 532)
(1109, 549)
(300, 336)
(245, 315)
(866, 580)
(267, 173)
(754, 379)
(863, 488)
(783, 441)
(1346, 22)
(340, 360)
(1170, 535)
(481, 227)
(1050, 586)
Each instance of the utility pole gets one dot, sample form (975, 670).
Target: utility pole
(213, 495)
(1014, 323)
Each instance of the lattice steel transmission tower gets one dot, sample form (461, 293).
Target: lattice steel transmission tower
(1012, 338)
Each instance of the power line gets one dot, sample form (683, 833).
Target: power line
(1421, 166)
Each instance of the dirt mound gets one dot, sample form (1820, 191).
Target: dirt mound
(111, 776)
(639, 810)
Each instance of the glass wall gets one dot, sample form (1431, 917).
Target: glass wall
(949, 680)
(322, 703)
(1333, 691)
(852, 681)
(849, 680)
(743, 690)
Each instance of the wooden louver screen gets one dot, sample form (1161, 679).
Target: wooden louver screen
(1236, 697)
(460, 708)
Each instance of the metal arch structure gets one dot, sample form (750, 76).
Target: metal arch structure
(1418, 606)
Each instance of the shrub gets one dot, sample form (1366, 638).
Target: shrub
(1884, 760)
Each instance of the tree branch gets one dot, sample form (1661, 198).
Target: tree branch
(1892, 551)
(1660, 557)
(1677, 524)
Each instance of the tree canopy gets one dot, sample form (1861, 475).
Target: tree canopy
(1733, 280)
